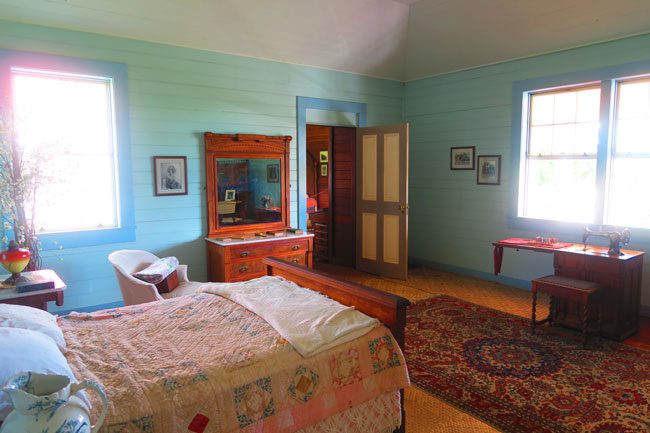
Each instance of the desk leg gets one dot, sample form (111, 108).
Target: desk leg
(498, 259)
(59, 299)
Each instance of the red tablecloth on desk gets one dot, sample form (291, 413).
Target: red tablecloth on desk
(533, 243)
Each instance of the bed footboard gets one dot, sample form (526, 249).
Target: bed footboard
(388, 308)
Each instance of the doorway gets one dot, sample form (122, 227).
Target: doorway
(330, 169)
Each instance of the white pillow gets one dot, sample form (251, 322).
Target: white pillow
(18, 316)
(26, 350)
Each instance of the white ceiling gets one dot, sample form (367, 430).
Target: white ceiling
(397, 39)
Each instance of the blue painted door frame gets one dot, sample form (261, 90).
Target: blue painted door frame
(302, 105)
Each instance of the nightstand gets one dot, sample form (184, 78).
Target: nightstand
(37, 298)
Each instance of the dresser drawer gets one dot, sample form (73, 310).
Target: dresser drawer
(269, 248)
(245, 270)
(296, 258)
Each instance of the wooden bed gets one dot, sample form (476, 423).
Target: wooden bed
(388, 308)
(218, 360)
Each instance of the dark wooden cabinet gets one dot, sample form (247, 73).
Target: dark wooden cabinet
(320, 228)
(620, 278)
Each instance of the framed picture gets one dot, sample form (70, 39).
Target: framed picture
(324, 156)
(273, 173)
(323, 170)
(489, 170)
(230, 195)
(170, 175)
(462, 158)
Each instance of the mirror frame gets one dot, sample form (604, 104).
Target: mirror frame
(244, 146)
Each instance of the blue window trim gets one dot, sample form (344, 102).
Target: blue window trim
(606, 75)
(117, 72)
(302, 105)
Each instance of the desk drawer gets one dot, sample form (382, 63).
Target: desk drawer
(269, 248)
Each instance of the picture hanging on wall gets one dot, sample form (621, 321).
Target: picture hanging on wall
(489, 170)
(170, 175)
(323, 170)
(324, 156)
(273, 173)
(230, 195)
(462, 158)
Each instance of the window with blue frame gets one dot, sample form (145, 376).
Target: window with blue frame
(584, 151)
(71, 114)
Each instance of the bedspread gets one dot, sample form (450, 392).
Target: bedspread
(204, 364)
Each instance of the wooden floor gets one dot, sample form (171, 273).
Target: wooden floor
(427, 414)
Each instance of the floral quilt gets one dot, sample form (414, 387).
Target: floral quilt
(204, 364)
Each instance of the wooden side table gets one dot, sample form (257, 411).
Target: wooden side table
(37, 298)
(557, 287)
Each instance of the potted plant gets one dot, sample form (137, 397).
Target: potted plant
(21, 174)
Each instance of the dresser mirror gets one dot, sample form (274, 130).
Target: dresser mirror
(249, 191)
(247, 182)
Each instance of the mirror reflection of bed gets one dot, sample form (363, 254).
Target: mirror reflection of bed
(330, 192)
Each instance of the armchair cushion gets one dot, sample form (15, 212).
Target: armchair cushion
(158, 270)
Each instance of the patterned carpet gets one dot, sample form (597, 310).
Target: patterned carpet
(426, 413)
(488, 363)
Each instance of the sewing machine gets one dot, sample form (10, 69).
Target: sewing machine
(615, 239)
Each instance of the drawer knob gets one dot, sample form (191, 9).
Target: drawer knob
(295, 261)
(243, 268)
(295, 247)
(244, 254)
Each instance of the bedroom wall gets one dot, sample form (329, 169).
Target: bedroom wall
(452, 219)
(175, 94)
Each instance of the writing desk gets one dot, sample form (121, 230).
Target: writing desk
(620, 277)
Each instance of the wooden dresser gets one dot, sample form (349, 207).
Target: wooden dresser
(247, 185)
(242, 260)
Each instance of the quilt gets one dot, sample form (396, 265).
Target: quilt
(204, 364)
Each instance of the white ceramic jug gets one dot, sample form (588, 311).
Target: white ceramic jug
(46, 403)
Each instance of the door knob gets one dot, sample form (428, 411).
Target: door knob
(403, 207)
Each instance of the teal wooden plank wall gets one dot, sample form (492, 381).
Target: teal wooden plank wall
(452, 219)
(175, 94)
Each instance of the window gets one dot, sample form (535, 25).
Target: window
(584, 152)
(72, 114)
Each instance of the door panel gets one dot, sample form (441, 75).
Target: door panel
(382, 200)
(342, 196)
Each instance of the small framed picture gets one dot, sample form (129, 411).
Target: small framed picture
(489, 170)
(273, 173)
(323, 170)
(462, 158)
(324, 157)
(170, 175)
(230, 195)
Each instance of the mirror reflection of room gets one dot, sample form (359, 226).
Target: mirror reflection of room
(249, 191)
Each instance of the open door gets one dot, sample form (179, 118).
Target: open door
(382, 200)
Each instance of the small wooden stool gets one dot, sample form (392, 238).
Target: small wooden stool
(583, 292)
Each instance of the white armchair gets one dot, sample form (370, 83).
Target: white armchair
(134, 291)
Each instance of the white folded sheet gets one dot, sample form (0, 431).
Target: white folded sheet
(308, 320)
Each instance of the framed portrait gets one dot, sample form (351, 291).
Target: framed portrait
(273, 173)
(170, 175)
(230, 195)
(323, 170)
(324, 156)
(489, 170)
(462, 158)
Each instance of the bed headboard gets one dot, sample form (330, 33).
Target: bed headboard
(388, 308)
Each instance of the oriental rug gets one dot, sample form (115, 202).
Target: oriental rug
(487, 363)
